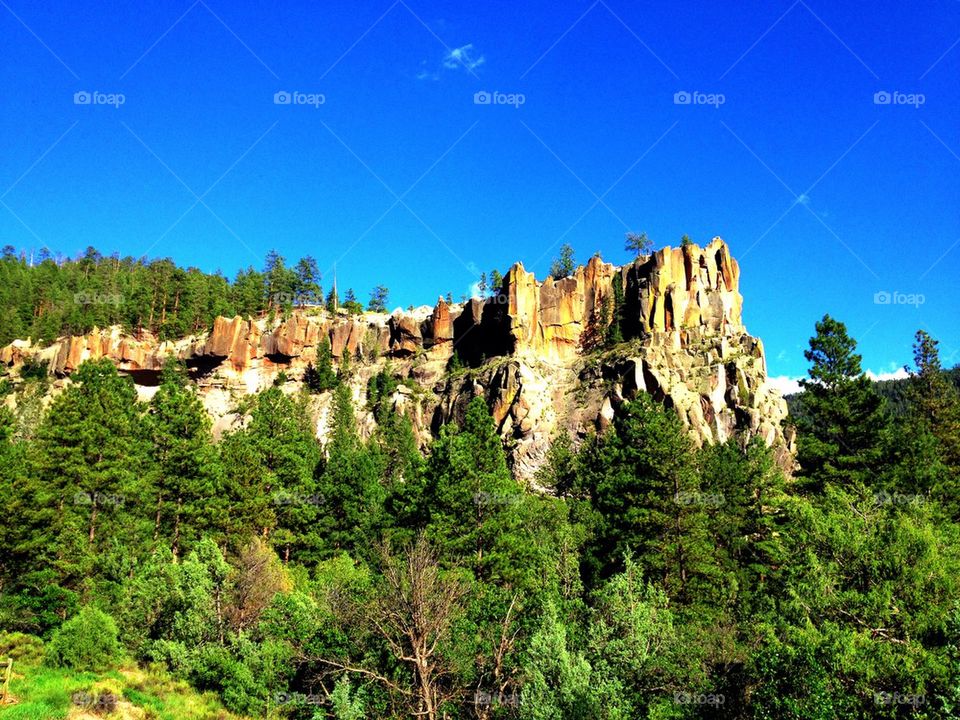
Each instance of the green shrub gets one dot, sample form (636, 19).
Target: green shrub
(23, 648)
(87, 641)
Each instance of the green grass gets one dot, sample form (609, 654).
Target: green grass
(46, 693)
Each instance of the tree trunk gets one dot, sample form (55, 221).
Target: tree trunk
(176, 527)
(93, 518)
(156, 522)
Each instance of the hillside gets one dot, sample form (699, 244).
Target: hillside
(571, 499)
(550, 357)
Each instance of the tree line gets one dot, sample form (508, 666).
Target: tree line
(362, 578)
(43, 297)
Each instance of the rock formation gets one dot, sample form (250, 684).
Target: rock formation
(534, 350)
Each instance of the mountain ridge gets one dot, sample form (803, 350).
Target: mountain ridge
(543, 354)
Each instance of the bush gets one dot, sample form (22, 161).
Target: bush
(26, 649)
(87, 641)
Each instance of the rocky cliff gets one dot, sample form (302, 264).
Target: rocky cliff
(536, 351)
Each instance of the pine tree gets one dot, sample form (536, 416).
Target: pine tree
(933, 399)
(564, 265)
(637, 243)
(307, 287)
(270, 466)
(321, 377)
(185, 475)
(645, 491)
(89, 458)
(350, 481)
(843, 418)
(379, 297)
(471, 496)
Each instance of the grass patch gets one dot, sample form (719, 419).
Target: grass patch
(49, 693)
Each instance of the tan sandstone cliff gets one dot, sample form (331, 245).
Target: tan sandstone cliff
(533, 350)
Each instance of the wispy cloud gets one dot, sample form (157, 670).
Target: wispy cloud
(425, 73)
(463, 57)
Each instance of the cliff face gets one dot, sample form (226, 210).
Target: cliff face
(534, 351)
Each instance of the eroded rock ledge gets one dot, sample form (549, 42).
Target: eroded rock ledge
(532, 350)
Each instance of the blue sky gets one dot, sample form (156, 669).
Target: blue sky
(826, 194)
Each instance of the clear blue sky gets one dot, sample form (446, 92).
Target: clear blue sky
(825, 196)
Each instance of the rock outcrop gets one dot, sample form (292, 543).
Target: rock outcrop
(535, 350)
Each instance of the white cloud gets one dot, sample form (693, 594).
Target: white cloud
(803, 199)
(786, 385)
(898, 374)
(463, 57)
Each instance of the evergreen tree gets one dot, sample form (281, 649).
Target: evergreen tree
(379, 297)
(89, 457)
(645, 493)
(307, 287)
(471, 497)
(843, 418)
(350, 481)
(321, 377)
(564, 265)
(270, 466)
(496, 281)
(350, 303)
(637, 243)
(185, 473)
(934, 400)
(333, 301)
